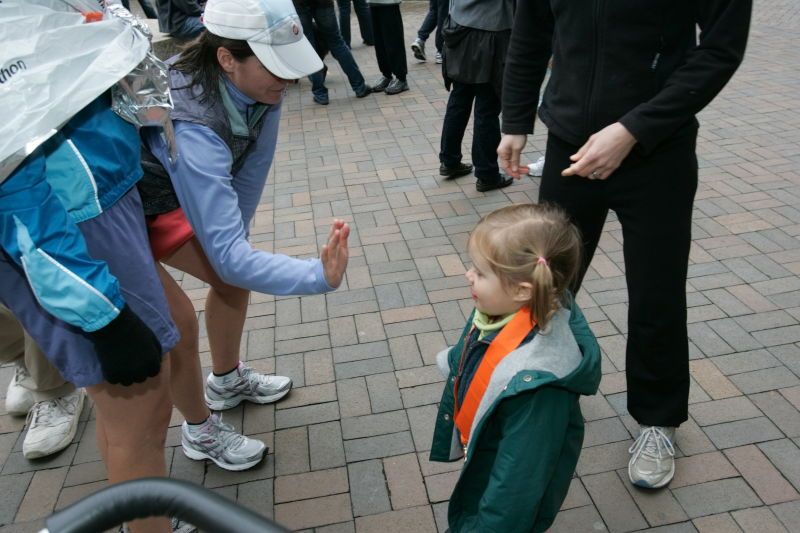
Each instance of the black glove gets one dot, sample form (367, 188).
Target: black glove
(128, 350)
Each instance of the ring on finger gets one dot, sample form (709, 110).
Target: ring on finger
(595, 174)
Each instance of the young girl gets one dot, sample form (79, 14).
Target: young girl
(510, 403)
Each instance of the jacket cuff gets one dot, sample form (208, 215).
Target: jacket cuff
(321, 284)
(517, 128)
(644, 138)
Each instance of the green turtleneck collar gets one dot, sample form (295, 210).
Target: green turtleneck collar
(486, 324)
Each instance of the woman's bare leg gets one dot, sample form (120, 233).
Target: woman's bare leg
(132, 429)
(226, 306)
(186, 378)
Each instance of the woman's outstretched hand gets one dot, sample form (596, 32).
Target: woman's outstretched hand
(335, 254)
(602, 154)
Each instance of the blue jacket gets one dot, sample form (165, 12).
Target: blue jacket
(75, 176)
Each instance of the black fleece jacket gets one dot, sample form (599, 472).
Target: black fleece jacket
(637, 62)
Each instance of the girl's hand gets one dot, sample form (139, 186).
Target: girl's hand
(508, 151)
(335, 254)
(602, 154)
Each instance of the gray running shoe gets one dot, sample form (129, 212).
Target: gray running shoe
(219, 442)
(652, 463)
(245, 383)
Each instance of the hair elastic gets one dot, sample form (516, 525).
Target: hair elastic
(541, 261)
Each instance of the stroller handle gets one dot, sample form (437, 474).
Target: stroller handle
(143, 498)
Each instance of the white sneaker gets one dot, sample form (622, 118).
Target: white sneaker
(652, 463)
(19, 400)
(52, 425)
(438, 58)
(226, 392)
(221, 443)
(536, 169)
(418, 49)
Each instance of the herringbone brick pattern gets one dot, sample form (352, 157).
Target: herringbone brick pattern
(348, 446)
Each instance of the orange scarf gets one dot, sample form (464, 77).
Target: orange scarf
(506, 342)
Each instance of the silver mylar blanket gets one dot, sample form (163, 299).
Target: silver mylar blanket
(53, 64)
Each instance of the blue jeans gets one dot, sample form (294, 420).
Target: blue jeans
(437, 12)
(364, 20)
(188, 29)
(328, 29)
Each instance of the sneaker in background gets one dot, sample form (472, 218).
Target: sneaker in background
(438, 58)
(536, 169)
(19, 400)
(52, 425)
(418, 48)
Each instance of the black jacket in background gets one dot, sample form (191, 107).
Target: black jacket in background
(630, 61)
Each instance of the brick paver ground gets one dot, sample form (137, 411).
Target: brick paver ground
(348, 446)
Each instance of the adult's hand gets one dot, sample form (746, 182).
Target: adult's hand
(508, 151)
(602, 154)
(335, 254)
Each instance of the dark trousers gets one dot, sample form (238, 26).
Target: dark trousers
(652, 197)
(390, 50)
(326, 26)
(437, 12)
(486, 135)
(364, 20)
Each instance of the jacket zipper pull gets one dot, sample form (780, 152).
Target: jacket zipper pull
(465, 453)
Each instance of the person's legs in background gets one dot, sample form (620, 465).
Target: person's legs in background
(344, 20)
(364, 21)
(189, 28)
(37, 389)
(456, 118)
(425, 30)
(377, 12)
(393, 40)
(485, 139)
(327, 27)
(147, 8)
(443, 9)
(317, 79)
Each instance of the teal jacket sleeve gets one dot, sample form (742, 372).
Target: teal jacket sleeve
(534, 429)
(38, 234)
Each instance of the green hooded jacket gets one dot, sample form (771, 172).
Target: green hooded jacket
(527, 433)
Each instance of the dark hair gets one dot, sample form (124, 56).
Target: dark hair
(199, 60)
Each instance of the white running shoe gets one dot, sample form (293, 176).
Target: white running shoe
(219, 442)
(418, 48)
(652, 463)
(438, 58)
(52, 425)
(536, 169)
(228, 391)
(19, 400)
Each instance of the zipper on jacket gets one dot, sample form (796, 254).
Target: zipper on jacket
(593, 72)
